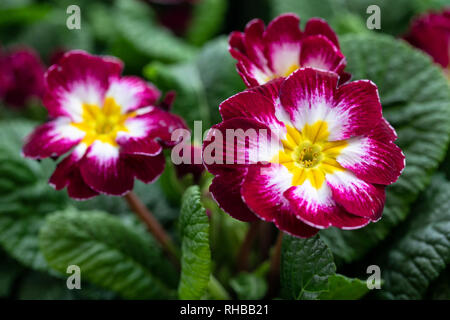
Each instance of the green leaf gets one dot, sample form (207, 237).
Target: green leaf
(201, 84)
(25, 196)
(207, 19)
(421, 251)
(395, 15)
(195, 251)
(249, 286)
(416, 101)
(9, 272)
(306, 265)
(136, 23)
(109, 253)
(343, 288)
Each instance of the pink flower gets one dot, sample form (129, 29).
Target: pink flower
(282, 48)
(431, 33)
(195, 165)
(21, 76)
(109, 125)
(313, 155)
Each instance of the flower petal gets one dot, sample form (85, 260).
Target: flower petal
(251, 105)
(283, 37)
(52, 139)
(320, 53)
(317, 26)
(67, 173)
(263, 191)
(105, 171)
(131, 93)
(317, 208)
(309, 95)
(145, 168)
(372, 161)
(226, 191)
(357, 196)
(78, 78)
(239, 142)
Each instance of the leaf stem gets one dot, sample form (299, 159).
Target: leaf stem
(274, 272)
(153, 226)
(246, 247)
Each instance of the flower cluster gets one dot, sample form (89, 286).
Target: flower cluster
(282, 48)
(333, 156)
(21, 76)
(110, 126)
(320, 153)
(431, 33)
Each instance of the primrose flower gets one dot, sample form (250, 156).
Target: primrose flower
(282, 48)
(431, 33)
(109, 125)
(309, 155)
(21, 76)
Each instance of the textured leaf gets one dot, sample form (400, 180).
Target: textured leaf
(25, 196)
(249, 286)
(395, 15)
(195, 251)
(416, 101)
(343, 288)
(422, 249)
(109, 253)
(306, 265)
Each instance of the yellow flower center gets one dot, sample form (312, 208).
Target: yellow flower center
(308, 154)
(102, 123)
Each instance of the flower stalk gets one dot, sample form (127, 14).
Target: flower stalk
(153, 226)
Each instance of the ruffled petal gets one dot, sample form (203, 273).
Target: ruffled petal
(357, 196)
(226, 191)
(353, 109)
(105, 171)
(239, 142)
(317, 208)
(263, 191)
(372, 161)
(67, 173)
(251, 105)
(320, 53)
(52, 139)
(145, 168)
(282, 38)
(132, 93)
(78, 78)
(155, 124)
(317, 26)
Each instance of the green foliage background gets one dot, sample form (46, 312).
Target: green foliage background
(43, 231)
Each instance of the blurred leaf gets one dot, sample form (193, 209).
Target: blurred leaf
(343, 288)
(9, 271)
(196, 254)
(395, 15)
(416, 101)
(306, 265)
(23, 14)
(136, 23)
(109, 253)
(440, 289)
(207, 19)
(25, 196)
(201, 84)
(249, 286)
(421, 251)
(218, 74)
(185, 79)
